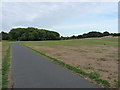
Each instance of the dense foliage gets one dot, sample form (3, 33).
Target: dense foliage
(4, 35)
(30, 34)
(91, 35)
(0, 36)
(35, 34)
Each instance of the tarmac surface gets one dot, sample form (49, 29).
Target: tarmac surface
(32, 70)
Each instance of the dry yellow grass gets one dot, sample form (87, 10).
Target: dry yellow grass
(91, 55)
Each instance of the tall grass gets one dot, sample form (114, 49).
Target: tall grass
(6, 53)
(5, 68)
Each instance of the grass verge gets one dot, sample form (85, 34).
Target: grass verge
(5, 68)
(93, 75)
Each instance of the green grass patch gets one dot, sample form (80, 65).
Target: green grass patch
(6, 53)
(93, 75)
(117, 84)
(5, 68)
(102, 59)
(118, 59)
(77, 42)
(102, 70)
(89, 68)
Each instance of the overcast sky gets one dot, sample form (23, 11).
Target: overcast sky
(67, 18)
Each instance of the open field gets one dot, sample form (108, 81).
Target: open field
(90, 55)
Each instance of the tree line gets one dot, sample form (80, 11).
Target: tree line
(30, 34)
(91, 34)
(35, 34)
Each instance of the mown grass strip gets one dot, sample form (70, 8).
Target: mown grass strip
(5, 68)
(93, 75)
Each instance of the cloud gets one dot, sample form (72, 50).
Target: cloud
(73, 26)
(31, 18)
(59, 16)
(60, 0)
(106, 24)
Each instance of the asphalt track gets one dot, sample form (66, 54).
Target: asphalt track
(31, 70)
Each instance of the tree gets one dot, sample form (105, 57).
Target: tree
(79, 36)
(106, 33)
(4, 35)
(115, 34)
(30, 33)
(73, 37)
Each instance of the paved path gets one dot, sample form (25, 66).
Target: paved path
(31, 70)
